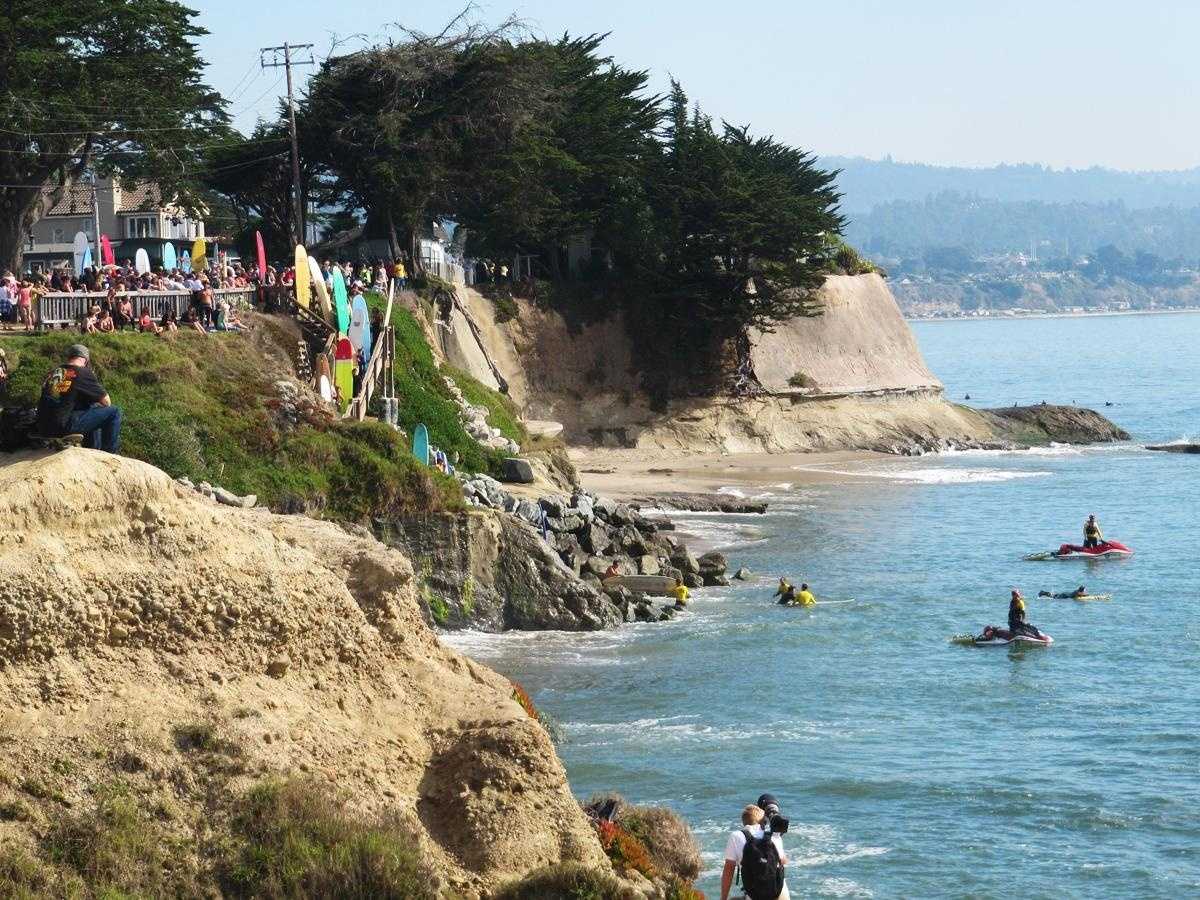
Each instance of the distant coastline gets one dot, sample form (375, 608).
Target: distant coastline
(1055, 315)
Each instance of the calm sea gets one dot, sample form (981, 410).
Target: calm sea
(911, 767)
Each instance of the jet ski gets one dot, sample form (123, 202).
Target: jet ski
(1103, 550)
(991, 636)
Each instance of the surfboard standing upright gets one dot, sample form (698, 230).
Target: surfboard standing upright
(301, 276)
(343, 372)
(169, 260)
(81, 247)
(318, 280)
(342, 304)
(141, 261)
(199, 261)
(262, 257)
(421, 444)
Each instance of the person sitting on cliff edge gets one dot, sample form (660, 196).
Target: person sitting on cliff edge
(74, 402)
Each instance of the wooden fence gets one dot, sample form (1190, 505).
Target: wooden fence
(66, 310)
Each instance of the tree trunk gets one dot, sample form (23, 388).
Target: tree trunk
(413, 239)
(393, 238)
(12, 242)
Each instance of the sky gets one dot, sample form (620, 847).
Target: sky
(1065, 84)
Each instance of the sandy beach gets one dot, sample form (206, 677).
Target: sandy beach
(625, 474)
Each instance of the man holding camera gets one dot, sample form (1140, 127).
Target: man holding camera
(755, 851)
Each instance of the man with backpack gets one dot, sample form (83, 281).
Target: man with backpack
(757, 855)
(74, 402)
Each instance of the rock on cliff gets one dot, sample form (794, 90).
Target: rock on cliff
(130, 608)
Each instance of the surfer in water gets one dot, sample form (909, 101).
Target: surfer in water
(1080, 591)
(1017, 623)
(786, 592)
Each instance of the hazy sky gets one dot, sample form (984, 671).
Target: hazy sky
(966, 83)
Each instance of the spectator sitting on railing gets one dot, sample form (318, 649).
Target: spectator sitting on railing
(89, 325)
(104, 322)
(168, 321)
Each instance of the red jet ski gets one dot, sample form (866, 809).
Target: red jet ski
(1103, 550)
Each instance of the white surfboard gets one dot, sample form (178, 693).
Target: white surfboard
(141, 261)
(326, 389)
(81, 248)
(358, 323)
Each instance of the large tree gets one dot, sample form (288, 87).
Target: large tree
(405, 128)
(106, 85)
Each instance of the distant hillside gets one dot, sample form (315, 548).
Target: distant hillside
(903, 229)
(866, 183)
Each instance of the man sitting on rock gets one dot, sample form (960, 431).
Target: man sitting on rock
(74, 402)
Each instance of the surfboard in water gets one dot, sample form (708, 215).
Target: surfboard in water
(318, 281)
(421, 444)
(343, 371)
(342, 304)
(141, 261)
(81, 247)
(302, 276)
(170, 261)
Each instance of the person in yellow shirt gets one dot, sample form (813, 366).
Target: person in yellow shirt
(805, 597)
(680, 593)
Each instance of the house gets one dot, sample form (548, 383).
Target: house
(130, 217)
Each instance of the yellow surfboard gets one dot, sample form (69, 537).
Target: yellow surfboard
(199, 258)
(302, 275)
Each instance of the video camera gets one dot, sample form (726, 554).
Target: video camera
(774, 822)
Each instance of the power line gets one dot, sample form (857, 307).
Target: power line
(287, 63)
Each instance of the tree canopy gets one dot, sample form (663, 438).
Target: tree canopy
(108, 85)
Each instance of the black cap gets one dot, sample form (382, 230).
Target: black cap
(767, 800)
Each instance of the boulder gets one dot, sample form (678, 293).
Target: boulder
(713, 562)
(742, 574)
(716, 581)
(604, 508)
(584, 504)
(554, 505)
(596, 565)
(632, 542)
(530, 512)
(670, 572)
(621, 515)
(692, 580)
(684, 560)
(595, 538)
(516, 471)
(648, 565)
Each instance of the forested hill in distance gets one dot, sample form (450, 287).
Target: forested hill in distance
(867, 183)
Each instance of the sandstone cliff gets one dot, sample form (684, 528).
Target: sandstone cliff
(131, 609)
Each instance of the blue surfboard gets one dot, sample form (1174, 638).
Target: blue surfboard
(421, 444)
(169, 260)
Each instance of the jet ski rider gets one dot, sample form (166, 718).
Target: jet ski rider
(1092, 537)
(1016, 617)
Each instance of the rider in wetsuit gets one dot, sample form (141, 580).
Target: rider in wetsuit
(1016, 617)
(1092, 537)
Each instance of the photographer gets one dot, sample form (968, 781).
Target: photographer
(755, 852)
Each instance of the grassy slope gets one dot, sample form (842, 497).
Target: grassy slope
(425, 399)
(200, 406)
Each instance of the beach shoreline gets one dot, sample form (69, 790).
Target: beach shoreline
(1057, 315)
(628, 474)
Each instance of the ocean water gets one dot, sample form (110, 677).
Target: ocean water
(909, 766)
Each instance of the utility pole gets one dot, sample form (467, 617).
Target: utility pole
(99, 258)
(287, 62)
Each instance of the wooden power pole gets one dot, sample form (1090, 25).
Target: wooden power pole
(282, 56)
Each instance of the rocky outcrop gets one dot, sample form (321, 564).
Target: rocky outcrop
(1044, 423)
(718, 503)
(1174, 448)
(131, 608)
(517, 563)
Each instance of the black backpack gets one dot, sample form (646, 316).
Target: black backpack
(16, 424)
(762, 869)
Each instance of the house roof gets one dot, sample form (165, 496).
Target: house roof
(76, 202)
(142, 197)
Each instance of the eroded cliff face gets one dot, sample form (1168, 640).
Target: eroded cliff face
(850, 378)
(130, 607)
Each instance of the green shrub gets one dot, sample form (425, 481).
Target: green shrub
(117, 850)
(800, 380)
(298, 841)
(669, 840)
(568, 881)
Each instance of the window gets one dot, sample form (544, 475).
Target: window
(57, 237)
(141, 226)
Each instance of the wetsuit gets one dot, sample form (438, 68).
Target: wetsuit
(1091, 535)
(787, 595)
(1016, 620)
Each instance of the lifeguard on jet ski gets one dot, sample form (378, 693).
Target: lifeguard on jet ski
(1019, 631)
(1094, 546)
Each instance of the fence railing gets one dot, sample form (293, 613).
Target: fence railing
(65, 310)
